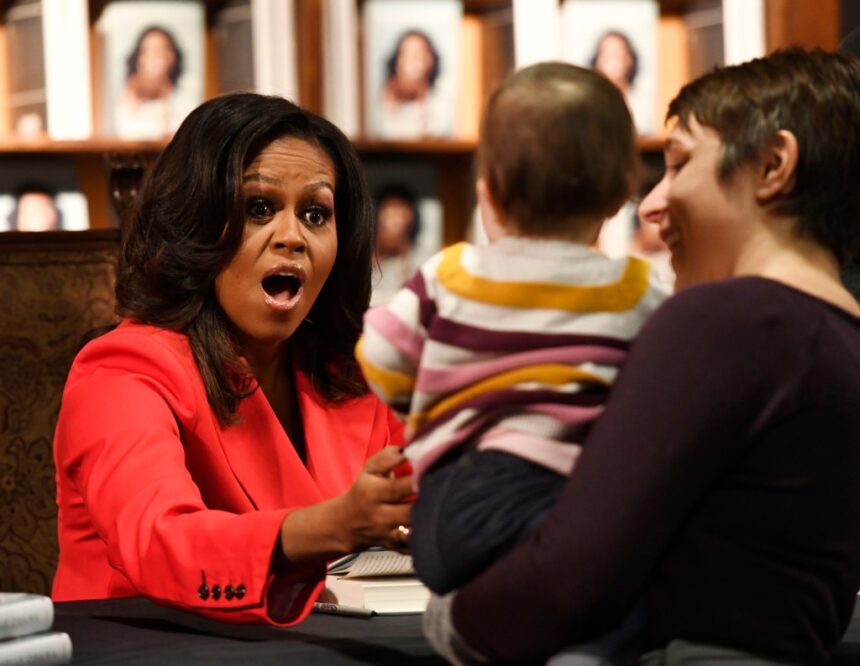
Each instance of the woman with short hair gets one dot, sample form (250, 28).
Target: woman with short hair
(722, 483)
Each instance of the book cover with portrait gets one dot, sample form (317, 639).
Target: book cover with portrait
(41, 195)
(153, 69)
(409, 221)
(411, 67)
(619, 39)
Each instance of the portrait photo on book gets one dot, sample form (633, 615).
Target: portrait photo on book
(152, 63)
(618, 38)
(41, 194)
(409, 221)
(411, 67)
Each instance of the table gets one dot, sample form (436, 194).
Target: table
(136, 631)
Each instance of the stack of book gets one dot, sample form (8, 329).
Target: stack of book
(376, 581)
(25, 631)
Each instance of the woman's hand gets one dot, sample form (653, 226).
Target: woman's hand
(373, 512)
(376, 508)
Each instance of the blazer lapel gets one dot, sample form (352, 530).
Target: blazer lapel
(338, 437)
(263, 459)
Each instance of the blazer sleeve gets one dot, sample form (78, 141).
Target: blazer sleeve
(120, 442)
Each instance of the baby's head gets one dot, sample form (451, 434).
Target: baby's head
(557, 154)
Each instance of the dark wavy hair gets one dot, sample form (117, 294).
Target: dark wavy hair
(178, 59)
(815, 95)
(190, 222)
(391, 62)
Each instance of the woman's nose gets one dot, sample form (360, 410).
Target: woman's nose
(654, 207)
(289, 234)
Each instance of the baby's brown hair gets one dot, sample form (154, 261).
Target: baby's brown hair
(557, 146)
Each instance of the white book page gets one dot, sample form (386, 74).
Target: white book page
(373, 563)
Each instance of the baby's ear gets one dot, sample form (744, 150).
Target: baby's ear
(777, 167)
(488, 211)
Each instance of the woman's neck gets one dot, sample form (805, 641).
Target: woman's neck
(782, 255)
(276, 379)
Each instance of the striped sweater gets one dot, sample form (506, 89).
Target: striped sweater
(510, 346)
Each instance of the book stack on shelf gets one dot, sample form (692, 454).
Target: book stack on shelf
(375, 581)
(45, 57)
(25, 631)
(257, 47)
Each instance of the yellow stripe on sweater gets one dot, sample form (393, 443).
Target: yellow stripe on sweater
(615, 297)
(554, 374)
(390, 382)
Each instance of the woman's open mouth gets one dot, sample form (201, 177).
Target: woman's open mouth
(282, 287)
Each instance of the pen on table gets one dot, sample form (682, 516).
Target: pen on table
(339, 609)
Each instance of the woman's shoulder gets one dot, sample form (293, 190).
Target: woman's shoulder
(147, 338)
(138, 348)
(750, 299)
(745, 310)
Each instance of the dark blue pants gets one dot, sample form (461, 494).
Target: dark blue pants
(472, 507)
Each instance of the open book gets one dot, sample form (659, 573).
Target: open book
(374, 581)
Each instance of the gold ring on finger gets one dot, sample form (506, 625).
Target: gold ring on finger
(402, 534)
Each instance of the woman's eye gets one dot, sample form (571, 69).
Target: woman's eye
(259, 209)
(316, 216)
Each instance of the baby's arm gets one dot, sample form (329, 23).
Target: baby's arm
(389, 350)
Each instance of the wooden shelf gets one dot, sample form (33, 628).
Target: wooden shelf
(97, 146)
(422, 147)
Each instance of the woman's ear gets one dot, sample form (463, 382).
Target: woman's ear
(778, 167)
(490, 218)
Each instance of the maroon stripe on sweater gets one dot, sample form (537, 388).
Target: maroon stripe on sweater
(501, 402)
(480, 339)
(426, 305)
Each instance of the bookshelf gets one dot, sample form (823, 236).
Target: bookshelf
(807, 22)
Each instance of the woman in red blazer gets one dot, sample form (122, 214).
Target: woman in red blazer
(219, 445)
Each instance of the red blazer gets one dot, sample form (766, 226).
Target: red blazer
(157, 499)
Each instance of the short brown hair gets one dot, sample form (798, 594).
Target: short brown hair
(557, 144)
(815, 95)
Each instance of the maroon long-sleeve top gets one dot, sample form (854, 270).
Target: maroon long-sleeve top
(721, 485)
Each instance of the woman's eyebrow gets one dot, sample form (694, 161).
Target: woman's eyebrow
(319, 185)
(670, 145)
(673, 146)
(276, 182)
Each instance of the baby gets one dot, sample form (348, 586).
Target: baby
(502, 355)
